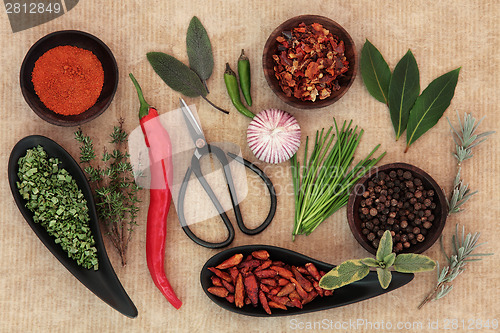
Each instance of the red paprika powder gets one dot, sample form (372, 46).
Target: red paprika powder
(68, 79)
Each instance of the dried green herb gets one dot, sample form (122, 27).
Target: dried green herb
(58, 205)
(199, 50)
(463, 247)
(430, 105)
(114, 187)
(403, 91)
(375, 72)
(354, 270)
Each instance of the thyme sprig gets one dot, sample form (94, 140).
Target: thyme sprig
(463, 247)
(114, 187)
(465, 139)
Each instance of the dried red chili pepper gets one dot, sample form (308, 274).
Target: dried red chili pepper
(160, 155)
(309, 61)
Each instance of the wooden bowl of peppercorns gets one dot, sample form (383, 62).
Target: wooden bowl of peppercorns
(401, 198)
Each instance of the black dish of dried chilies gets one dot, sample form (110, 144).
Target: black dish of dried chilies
(402, 199)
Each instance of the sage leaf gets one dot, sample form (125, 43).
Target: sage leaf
(176, 75)
(347, 272)
(403, 91)
(384, 277)
(389, 260)
(370, 262)
(385, 246)
(430, 105)
(413, 263)
(375, 72)
(199, 49)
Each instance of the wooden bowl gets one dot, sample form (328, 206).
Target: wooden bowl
(82, 40)
(271, 48)
(440, 212)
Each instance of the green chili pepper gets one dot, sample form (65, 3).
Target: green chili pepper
(234, 91)
(244, 74)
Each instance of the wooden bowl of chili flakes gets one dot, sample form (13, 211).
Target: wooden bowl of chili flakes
(309, 61)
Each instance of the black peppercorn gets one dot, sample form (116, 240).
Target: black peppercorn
(371, 236)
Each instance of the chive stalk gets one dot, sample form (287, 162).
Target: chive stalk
(323, 185)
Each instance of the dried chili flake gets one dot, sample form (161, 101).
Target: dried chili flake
(309, 61)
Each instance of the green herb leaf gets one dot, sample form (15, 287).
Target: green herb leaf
(384, 277)
(176, 75)
(430, 105)
(370, 262)
(346, 273)
(199, 49)
(385, 246)
(389, 260)
(375, 72)
(413, 263)
(403, 91)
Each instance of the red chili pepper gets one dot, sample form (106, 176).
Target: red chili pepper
(160, 156)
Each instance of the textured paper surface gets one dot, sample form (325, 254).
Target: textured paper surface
(38, 294)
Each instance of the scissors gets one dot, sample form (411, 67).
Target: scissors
(204, 148)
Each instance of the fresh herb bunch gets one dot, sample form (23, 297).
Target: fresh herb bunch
(409, 109)
(463, 247)
(326, 180)
(190, 81)
(354, 270)
(115, 190)
(465, 139)
(58, 205)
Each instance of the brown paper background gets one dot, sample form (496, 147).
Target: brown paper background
(38, 294)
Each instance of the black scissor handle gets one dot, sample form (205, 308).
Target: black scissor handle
(218, 206)
(196, 169)
(272, 194)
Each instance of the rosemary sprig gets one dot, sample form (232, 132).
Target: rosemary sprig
(463, 247)
(115, 190)
(465, 139)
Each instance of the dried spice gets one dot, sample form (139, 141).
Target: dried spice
(309, 61)
(58, 205)
(68, 80)
(399, 202)
(273, 284)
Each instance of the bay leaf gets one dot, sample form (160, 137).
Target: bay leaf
(430, 105)
(403, 91)
(176, 75)
(199, 49)
(375, 72)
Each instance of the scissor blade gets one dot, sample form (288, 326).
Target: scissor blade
(192, 125)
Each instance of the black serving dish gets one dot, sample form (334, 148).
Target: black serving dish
(82, 40)
(103, 282)
(358, 291)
